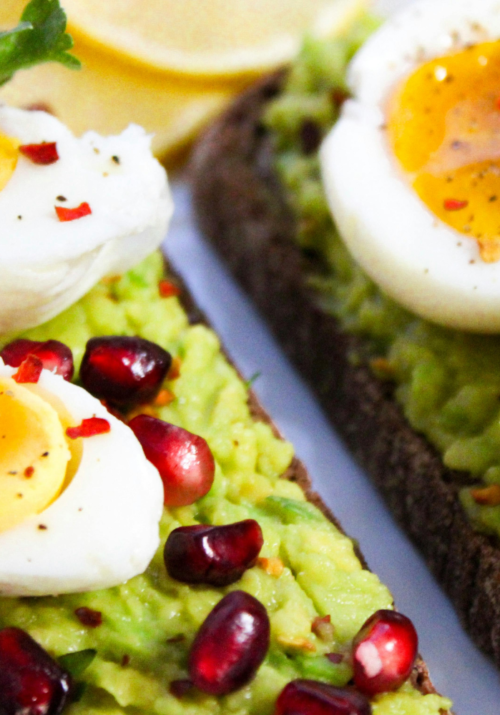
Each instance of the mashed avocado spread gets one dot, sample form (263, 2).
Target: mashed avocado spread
(448, 382)
(149, 623)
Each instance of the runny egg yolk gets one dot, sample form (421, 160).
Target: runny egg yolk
(9, 154)
(444, 128)
(34, 454)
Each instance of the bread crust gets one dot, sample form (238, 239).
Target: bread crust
(241, 208)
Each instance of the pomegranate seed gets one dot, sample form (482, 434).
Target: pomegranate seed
(124, 371)
(31, 682)
(54, 355)
(384, 652)
(29, 370)
(310, 697)
(215, 555)
(230, 645)
(184, 460)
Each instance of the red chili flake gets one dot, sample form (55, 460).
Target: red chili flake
(454, 204)
(40, 107)
(125, 660)
(29, 370)
(339, 96)
(88, 617)
(29, 471)
(179, 688)
(175, 369)
(167, 289)
(89, 428)
(179, 638)
(323, 628)
(488, 496)
(64, 214)
(44, 153)
(335, 657)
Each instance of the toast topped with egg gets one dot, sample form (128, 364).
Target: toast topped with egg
(146, 645)
(416, 403)
(161, 550)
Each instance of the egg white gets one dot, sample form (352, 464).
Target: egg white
(415, 258)
(103, 528)
(46, 265)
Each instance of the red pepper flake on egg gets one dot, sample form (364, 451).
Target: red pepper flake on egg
(29, 370)
(89, 428)
(65, 214)
(44, 153)
(455, 204)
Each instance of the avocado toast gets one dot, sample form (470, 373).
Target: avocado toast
(161, 417)
(260, 146)
(147, 625)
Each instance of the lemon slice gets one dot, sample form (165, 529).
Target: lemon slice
(168, 65)
(207, 38)
(107, 96)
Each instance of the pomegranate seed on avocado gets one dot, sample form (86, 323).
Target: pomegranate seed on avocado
(31, 682)
(230, 645)
(184, 460)
(54, 355)
(215, 555)
(311, 697)
(125, 371)
(384, 652)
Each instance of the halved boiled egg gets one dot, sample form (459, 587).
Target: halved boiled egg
(96, 207)
(412, 168)
(75, 514)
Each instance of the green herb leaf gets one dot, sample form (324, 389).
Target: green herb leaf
(39, 37)
(291, 511)
(248, 383)
(76, 663)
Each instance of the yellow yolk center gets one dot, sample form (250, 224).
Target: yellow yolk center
(9, 154)
(444, 127)
(34, 454)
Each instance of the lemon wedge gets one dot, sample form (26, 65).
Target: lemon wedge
(212, 38)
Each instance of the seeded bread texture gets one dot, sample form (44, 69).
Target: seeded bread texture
(242, 209)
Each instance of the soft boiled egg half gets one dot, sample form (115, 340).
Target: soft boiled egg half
(412, 168)
(72, 210)
(76, 514)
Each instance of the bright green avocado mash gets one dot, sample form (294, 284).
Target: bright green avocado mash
(149, 623)
(448, 382)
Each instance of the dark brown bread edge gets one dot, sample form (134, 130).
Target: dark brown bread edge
(240, 207)
(296, 472)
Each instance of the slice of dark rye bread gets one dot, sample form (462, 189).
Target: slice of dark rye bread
(296, 472)
(241, 208)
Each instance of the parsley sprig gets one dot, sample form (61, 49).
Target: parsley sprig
(39, 37)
